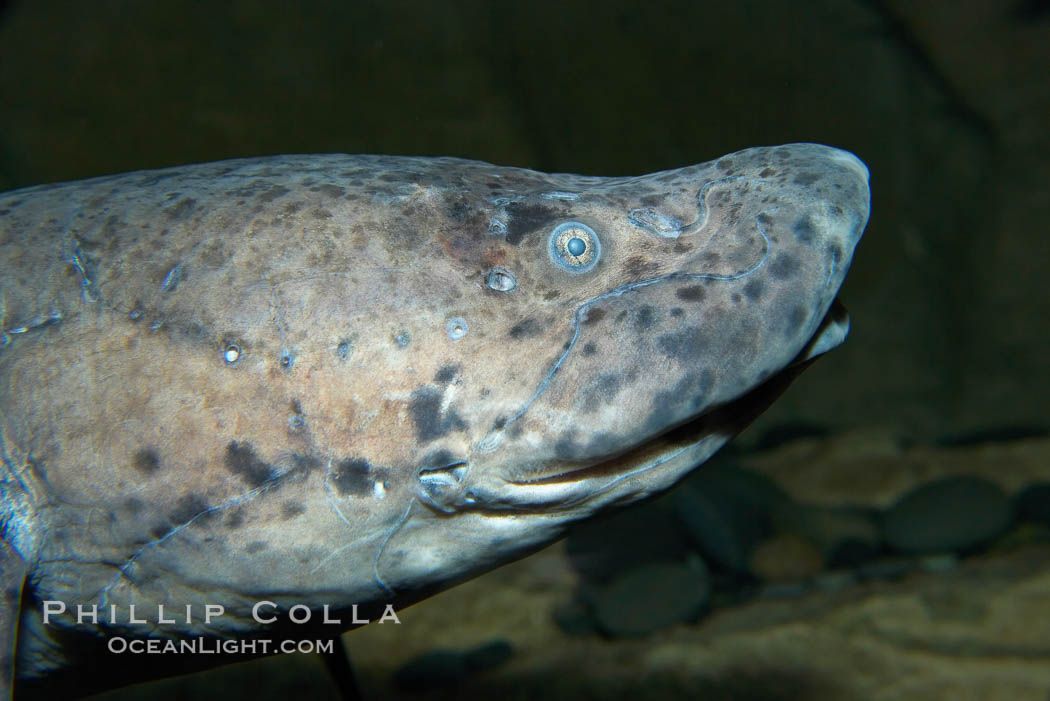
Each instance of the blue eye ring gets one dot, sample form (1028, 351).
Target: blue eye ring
(573, 246)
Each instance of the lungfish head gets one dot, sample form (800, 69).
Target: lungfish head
(632, 327)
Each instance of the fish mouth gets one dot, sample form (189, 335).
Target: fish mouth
(685, 444)
(662, 459)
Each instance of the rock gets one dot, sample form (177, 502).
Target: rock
(574, 617)
(650, 598)
(785, 590)
(836, 580)
(886, 568)
(785, 557)
(959, 514)
(448, 668)
(846, 536)
(435, 669)
(487, 655)
(725, 511)
(1032, 504)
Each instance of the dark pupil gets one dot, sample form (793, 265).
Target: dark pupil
(576, 246)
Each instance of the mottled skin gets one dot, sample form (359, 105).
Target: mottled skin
(239, 381)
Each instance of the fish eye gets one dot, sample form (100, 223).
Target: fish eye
(574, 247)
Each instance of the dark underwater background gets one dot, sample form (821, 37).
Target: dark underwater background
(883, 531)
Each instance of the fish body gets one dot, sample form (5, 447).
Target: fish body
(345, 381)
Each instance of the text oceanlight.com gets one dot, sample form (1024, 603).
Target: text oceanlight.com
(202, 646)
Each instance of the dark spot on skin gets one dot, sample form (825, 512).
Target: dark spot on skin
(458, 210)
(640, 267)
(677, 312)
(594, 315)
(621, 316)
(711, 257)
(754, 289)
(644, 318)
(784, 266)
(255, 546)
(182, 210)
(693, 293)
(804, 230)
(350, 477)
(524, 329)
(796, 318)
(402, 339)
(292, 207)
(684, 345)
(133, 505)
(766, 172)
(765, 221)
(499, 423)
(806, 178)
(735, 298)
(566, 448)
(236, 519)
(551, 294)
(329, 190)
(602, 391)
(589, 348)
(527, 218)
(273, 193)
(286, 360)
(160, 530)
(446, 373)
(291, 509)
(726, 164)
(188, 508)
(343, 349)
(430, 422)
(137, 310)
(146, 461)
(671, 405)
(242, 461)
(321, 214)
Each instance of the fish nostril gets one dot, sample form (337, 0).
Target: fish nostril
(500, 280)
